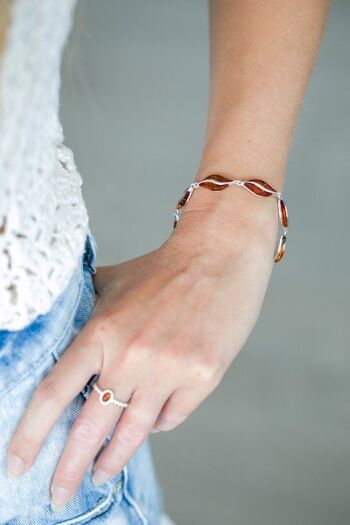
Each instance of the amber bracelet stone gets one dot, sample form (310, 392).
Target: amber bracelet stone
(257, 187)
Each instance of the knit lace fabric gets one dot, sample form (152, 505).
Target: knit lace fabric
(43, 217)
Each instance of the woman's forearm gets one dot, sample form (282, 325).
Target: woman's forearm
(261, 57)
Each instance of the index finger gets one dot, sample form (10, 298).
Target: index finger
(67, 378)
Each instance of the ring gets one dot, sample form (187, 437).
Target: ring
(107, 397)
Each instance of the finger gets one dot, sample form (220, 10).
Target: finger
(178, 407)
(88, 433)
(67, 378)
(131, 431)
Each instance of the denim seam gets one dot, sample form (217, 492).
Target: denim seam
(131, 500)
(60, 339)
(101, 507)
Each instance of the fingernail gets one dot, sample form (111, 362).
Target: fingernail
(60, 497)
(99, 476)
(154, 430)
(15, 466)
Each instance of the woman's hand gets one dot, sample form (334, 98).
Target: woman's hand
(164, 330)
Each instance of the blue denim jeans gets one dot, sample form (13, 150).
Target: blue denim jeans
(133, 496)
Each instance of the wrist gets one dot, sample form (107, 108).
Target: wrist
(227, 222)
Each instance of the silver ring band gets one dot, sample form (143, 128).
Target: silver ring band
(107, 397)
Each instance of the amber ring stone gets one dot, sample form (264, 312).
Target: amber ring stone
(107, 397)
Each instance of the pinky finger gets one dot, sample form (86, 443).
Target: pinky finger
(178, 407)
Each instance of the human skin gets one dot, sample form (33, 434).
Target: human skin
(168, 324)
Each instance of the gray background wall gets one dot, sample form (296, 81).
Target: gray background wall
(271, 445)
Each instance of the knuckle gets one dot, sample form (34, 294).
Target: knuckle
(47, 392)
(118, 313)
(137, 354)
(86, 431)
(139, 347)
(107, 324)
(69, 477)
(205, 369)
(104, 323)
(130, 436)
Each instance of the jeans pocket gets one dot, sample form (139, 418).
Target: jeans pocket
(82, 312)
(91, 503)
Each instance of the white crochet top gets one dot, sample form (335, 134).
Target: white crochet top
(43, 218)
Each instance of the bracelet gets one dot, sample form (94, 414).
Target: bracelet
(256, 186)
